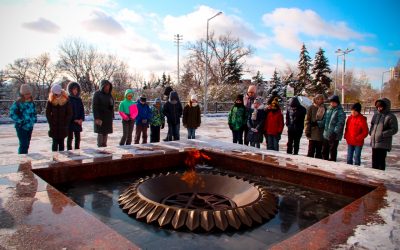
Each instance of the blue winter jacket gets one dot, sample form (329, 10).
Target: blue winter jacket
(23, 114)
(144, 113)
(333, 122)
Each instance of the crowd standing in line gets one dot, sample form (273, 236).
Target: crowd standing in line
(249, 120)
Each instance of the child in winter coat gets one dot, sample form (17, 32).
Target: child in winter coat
(355, 132)
(143, 119)
(78, 115)
(313, 132)
(273, 125)
(191, 117)
(157, 121)
(173, 111)
(237, 120)
(384, 126)
(58, 114)
(295, 115)
(23, 113)
(128, 112)
(333, 124)
(255, 123)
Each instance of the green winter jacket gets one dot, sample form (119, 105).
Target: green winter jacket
(333, 122)
(158, 118)
(237, 118)
(125, 104)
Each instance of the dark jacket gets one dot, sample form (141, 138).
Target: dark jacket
(78, 111)
(144, 114)
(173, 112)
(103, 109)
(383, 126)
(295, 115)
(58, 114)
(258, 124)
(312, 130)
(191, 116)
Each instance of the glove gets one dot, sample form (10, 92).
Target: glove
(162, 125)
(144, 121)
(230, 126)
(333, 136)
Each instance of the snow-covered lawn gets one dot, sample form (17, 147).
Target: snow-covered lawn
(211, 128)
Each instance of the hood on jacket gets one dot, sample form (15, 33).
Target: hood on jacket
(127, 92)
(173, 96)
(58, 101)
(385, 103)
(294, 102)
(103, 83)
(72, 85)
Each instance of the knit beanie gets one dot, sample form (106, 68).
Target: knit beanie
(157, 100)
(239, 98)
(334, 98)
(25, 89)
(193, 97)
(356, 107)
(143, 98)
(258, 100)
(56, 89)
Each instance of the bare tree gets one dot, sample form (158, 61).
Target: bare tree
(19, 70)
(43, 73)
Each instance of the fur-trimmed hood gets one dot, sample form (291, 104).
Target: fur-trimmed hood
(62, 100)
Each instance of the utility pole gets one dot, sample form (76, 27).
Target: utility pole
(177, 39)
(343, 53)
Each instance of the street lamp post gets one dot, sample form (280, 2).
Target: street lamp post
(383, 73)
(342, 53)
(205, 75)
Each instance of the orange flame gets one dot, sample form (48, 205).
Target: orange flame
(190, 176)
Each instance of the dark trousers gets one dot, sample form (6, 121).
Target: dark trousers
(24, 137)
(293, 143)
(314, 149)
(237, 136)
(272, 142)
(71, 135)
(58, 145)
(379, 158)
(173, 132)
(127, 130)
(155, 133)
(246, 131)
(329, 149)
(191, 133)
(102, 140)
(141, 130)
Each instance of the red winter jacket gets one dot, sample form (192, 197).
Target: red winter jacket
(274, 122)
(356, 130)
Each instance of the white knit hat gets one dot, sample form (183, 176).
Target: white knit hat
(25, 89)
(193, 97)
(56, 89)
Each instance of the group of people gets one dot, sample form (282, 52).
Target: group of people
(250, 121)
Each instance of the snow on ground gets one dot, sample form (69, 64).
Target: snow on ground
(214, 127)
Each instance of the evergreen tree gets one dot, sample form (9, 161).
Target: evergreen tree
(320, 72)
(258, 80)
(275, 88)
(234, 69)
(303, 78)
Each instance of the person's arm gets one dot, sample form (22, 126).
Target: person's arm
(95, 106)
(81, 110)
(392, 127)
(48, 111)
(372, 124)
(346, 130)
(185, 115)
(34, 113)
(198, 116)
(341, 121)
(364, 129)
(15, 113)
(69, 112)
(123, 116)
(281, 124)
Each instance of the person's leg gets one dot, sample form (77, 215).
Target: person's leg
(152, 134)
(124, 133)
(239, 136)
(157, 133)
(28, 140)
(333, 149)
(318, 149)
(234, 136)
(257, 145)
(325, 149)
(105, 138)
(380, 158)
(276, 143)
(99, 140)
(137, 133)
(175, 133)
(246, 141)
(189, 132)
(375, 163)
(70, 139)
(289, 144)
(357, 155)
(296, 143)
(144, 134)
(270, 142)
(350, 153)
(194, 133)
(252, 143)
(22, 140)
(131, 125)
(54, 145)
(170, 132)
(77, 140)
(311, 148)
(61, 144)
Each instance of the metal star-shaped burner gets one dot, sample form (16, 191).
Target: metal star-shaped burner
(211, 202)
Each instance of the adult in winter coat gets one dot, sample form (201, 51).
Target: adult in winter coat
(23, 113)
(355, 132)
(143, 119)
(237, 120)
(333, 124)
(78, 115)
(191, 117)
(128, 112)
(273, 125)
(103, 112)
(173, 111)
(383, 127)
(314, 133)
(295, 115)
(255, 123)
(248, 103)
(157, 120)
(58, 114)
